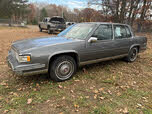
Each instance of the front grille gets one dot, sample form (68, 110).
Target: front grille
(13, 48)
(14, 52)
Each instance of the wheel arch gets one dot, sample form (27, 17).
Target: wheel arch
(73, 54)
(135, 45)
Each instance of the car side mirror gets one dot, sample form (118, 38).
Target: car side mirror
(92, 40)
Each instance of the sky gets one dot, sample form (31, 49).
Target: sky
(80, 4)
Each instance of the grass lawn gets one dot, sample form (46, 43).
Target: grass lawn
(107, 87)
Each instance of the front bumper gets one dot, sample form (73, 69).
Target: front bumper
(25, 69)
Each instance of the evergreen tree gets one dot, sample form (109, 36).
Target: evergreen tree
(8, 8)
(43, 13)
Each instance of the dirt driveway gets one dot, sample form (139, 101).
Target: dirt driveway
(9, 35)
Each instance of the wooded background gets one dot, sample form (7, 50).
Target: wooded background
(137, 13)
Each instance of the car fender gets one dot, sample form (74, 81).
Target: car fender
(63, 52)
(134, 45)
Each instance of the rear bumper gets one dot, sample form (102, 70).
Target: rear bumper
(25, 69)
(57, 29)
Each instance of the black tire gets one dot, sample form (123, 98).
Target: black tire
(132, 56)
(40, 28)
(49, 31)
(62, 68)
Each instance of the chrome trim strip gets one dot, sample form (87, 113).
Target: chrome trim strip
(30, 66)
(103, 59)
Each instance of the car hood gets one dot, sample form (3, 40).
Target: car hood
(24, 45)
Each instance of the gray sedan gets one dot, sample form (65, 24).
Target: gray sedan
(81, 44)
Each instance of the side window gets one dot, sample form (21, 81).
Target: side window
(120, 32)
(44, 20)
(104, 32)
(128, 32)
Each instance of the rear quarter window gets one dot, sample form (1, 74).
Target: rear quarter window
(128, 32)
(122, 31)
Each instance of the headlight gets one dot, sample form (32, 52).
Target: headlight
(23, 58)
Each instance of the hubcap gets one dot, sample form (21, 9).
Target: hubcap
(133, 54)
(64, 70)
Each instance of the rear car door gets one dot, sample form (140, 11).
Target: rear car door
(123, 37)
(104, 46)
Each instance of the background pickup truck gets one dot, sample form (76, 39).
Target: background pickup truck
(80, 44)
(55, 23)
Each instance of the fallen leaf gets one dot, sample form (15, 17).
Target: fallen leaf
(139, 105)
(84, 70)
(96, 91)
(76, 106)
(48, 101)
(6, 111)
(76, 110)
(6, 87)
(87, 97)
(11, 93)
(20, 89)
(95, 96)
(3, 84)
(118, 94)
(37, 85)
(102, 98)
(29, 101)
(81, 97)
(34, 89)
(63, 98)
(101, 89)
(15, 94)
(76, 80)
(60, 86)
(1, 98)
(73, 96)
(109, 92)
(126, 110)
(91, 88)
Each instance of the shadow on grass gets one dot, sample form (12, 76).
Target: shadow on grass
(89, 68)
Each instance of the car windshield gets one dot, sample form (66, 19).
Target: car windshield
(79, 31)
(63, 33)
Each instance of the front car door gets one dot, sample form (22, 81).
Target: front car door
(104, 45)
(43, 23)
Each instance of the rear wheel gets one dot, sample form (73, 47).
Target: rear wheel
(49, 30)
(40, 28)
(132, 56)
(62, 68)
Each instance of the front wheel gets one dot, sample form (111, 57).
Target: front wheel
(62, 68)
(132, 56)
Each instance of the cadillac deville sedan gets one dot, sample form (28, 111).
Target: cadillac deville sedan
(80, 44)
